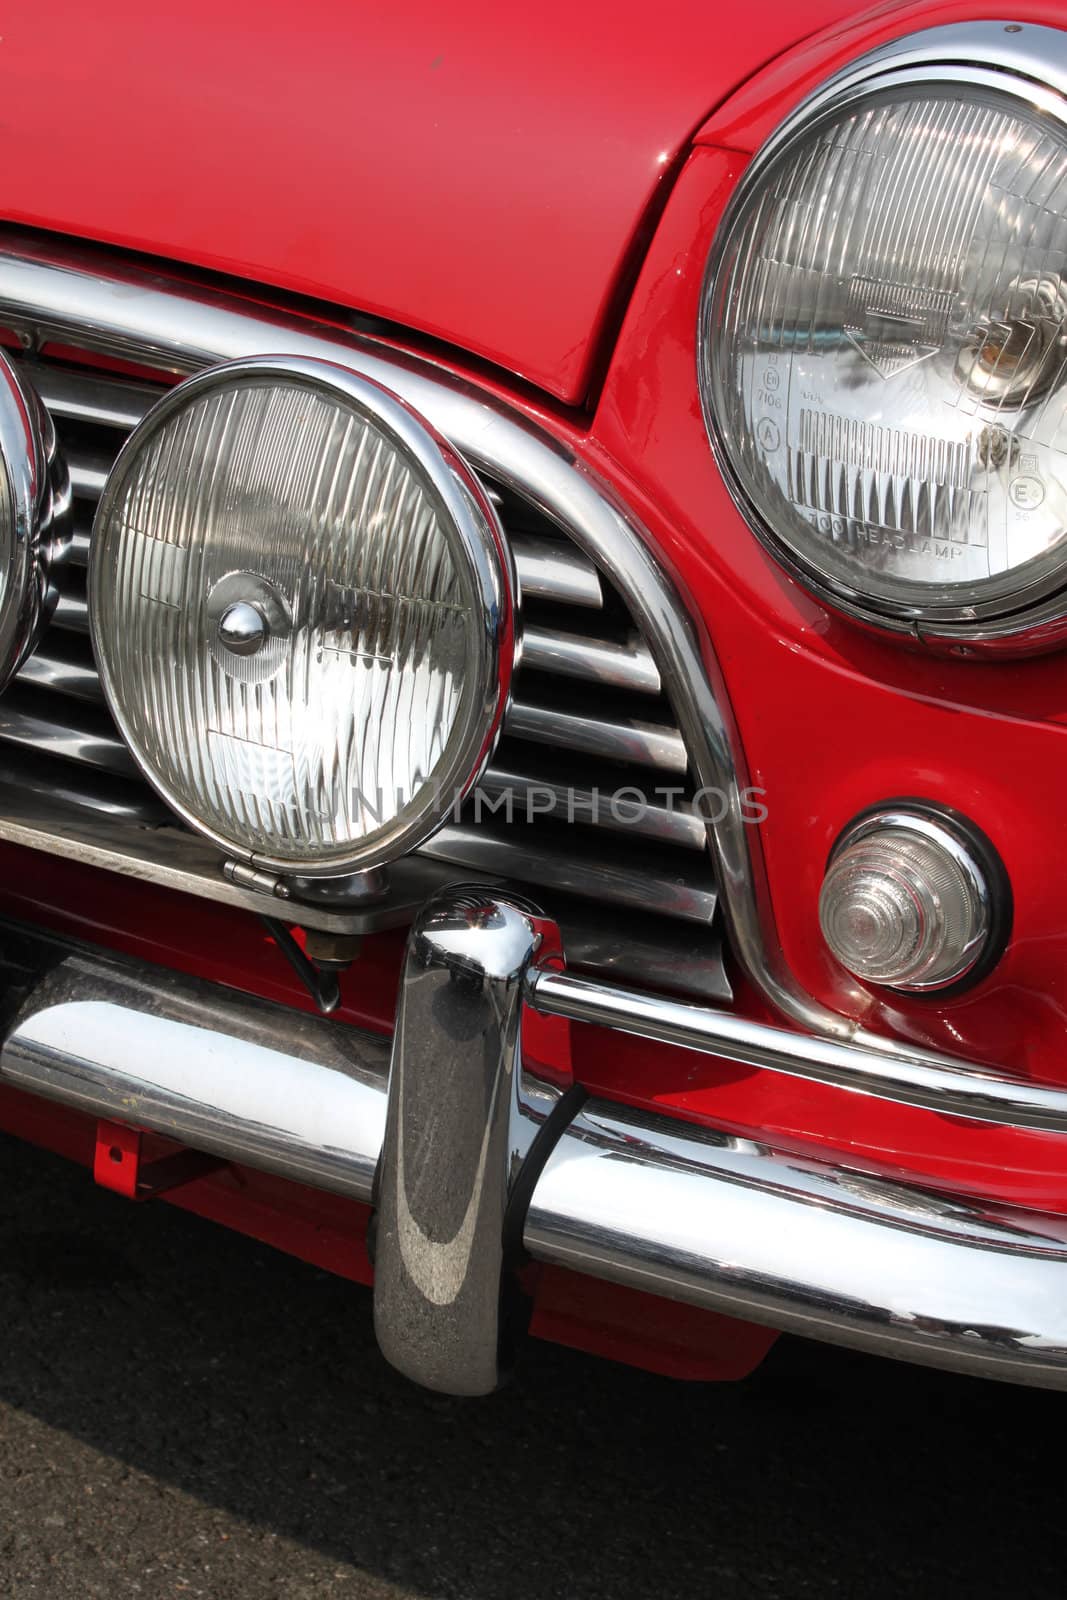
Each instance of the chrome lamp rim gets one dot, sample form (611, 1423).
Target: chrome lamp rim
(478, 545)
(1006, 59)
(979, 868)
(38, 493)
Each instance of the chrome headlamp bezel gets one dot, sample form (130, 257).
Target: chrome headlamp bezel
(479, 542)
(38, 491)
(1010, 61)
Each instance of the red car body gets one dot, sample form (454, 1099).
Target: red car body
(528, 200)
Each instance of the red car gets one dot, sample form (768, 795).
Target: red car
(533, 598)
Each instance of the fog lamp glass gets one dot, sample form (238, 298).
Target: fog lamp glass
(884, 338)
(301, 607)
(904, 903)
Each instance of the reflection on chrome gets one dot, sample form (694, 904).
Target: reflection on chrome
(245, 1081)
(735, 1227)
(462, 1120)
(491, 1161)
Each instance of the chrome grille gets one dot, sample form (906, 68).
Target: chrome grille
(589, 719)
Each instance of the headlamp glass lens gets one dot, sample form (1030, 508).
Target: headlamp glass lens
(287, 624)
(885, 347)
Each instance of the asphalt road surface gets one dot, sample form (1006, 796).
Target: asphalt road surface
(183, 1412)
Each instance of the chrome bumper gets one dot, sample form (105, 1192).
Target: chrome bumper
(476, 1151)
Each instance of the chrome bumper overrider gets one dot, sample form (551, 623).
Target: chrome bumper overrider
(478, 1150)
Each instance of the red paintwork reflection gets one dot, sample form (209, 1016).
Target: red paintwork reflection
(480, 173)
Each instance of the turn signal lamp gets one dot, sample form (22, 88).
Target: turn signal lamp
(911, 901)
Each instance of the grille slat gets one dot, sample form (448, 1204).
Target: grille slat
(539, 794)
(648, 744)
(78, 554)
(546, 572)
(588, 720)
(571, 655)
(90, 397)
(548, 569)
(72, 614)
(594, 874)
(88, 470)
(58, 728)
(54, 669)
(622, 946)
(81, 789)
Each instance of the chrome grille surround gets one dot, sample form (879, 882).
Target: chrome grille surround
(589, 716)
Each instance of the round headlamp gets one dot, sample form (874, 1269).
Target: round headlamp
(884, 336)
(301, 605)
(34, 518)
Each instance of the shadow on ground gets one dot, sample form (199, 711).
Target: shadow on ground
(184, 1411)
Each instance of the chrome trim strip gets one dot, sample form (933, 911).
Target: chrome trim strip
(885, 1068)
(680, 1211)
(735, 1227)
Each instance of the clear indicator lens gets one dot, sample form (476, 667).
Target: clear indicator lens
(289, 626)
(901, 909)
(886, 351)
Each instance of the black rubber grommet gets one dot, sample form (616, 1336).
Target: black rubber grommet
(554, 1126)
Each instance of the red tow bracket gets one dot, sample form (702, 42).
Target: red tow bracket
(118, 1164)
